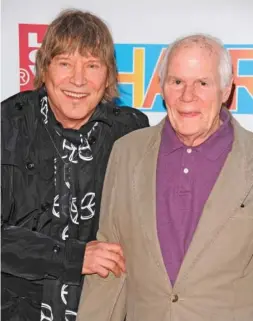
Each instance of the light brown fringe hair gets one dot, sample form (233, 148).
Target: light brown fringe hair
(74, 30)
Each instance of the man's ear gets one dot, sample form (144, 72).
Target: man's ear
(107, 78)
(227, 91)
(43, 75)
(162, 91)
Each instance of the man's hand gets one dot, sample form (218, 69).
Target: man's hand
(102, 258)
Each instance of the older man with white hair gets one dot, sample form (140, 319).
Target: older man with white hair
(178, 197)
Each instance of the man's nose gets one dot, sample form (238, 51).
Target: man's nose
(78, 77)
(188, 93)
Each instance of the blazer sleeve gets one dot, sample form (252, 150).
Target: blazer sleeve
(104, 299)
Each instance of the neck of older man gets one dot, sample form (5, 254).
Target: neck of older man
(198, 139)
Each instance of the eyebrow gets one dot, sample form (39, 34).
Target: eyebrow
(67, 57)
(174, 77)
(59, 57)
(204, 78)
(93, 59)
(180, 78)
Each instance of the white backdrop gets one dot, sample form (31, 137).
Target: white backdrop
(139, 22)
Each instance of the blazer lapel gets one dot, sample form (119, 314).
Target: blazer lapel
(144, 185)
(230, 189)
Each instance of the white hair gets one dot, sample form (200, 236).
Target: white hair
(225, 65)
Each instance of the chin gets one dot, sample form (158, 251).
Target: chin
(183, 130)
(78, 117)
(77, 113)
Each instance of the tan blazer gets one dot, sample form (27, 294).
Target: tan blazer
(215, 281)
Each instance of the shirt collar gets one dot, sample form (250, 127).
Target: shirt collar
(212, 148)
(219, 141)
(101, 114)
(170, 141)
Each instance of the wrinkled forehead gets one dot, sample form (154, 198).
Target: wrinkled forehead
(203, 54)
(200, 42)
(199, 47)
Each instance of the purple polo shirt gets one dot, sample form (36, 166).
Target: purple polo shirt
(185, 178)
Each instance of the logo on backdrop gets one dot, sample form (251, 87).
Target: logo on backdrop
(137, 66)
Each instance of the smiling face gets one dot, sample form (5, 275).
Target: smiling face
(192, 92)
(75, 85)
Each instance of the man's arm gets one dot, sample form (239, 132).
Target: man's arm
(27, 252)
(34, 256)
(30, 254)
(103, 299)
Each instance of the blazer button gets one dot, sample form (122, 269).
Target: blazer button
(174, 298)
(18, 106)
(30, 166)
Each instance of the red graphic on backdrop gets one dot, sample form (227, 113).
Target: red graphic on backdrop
(30, 39)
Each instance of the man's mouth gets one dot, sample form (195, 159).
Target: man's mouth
(75, 94)
(189, 114)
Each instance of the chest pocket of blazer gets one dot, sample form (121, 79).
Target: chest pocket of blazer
(245, 209)
(242, 215)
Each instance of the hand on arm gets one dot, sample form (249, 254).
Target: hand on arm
(102, 258)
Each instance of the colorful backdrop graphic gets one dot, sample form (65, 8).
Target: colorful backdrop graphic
(137, 66)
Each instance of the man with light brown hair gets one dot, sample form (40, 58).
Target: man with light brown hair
(56, 142)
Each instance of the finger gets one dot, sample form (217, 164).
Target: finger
(103, 272)
(112, 267)
(115, 257)
(102, 267)
(113, 247)
(120, 261)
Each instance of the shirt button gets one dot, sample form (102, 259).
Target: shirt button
(174, 298)
(189, 150)
(186, 170)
